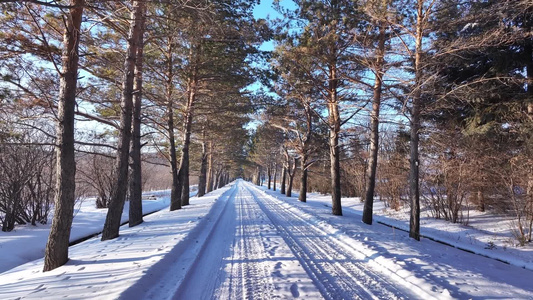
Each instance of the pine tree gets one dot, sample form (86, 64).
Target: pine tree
(323, 49)
(118, 197)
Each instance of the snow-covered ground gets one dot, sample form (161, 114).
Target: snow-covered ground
(26, 242)
(243, 242)
(487, 234)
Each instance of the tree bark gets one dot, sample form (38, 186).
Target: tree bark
(136, 209)
(374, 129)
(275, 177)
(203, 168)
(183, 172)
(118, 196)
(217, 179)
(305, 142)
(414, 187)
(175, 190)
(221, 179)
(283, 177)
(258, 176)
(56, 252)
(210, 168)
(269, 175)
(175, 202)
(292, 172)
(334, 130)
(303, 180)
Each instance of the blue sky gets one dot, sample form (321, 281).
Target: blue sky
(265, 10)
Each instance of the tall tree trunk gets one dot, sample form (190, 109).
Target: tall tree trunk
(303, 179)
(283, 177)
(56, 252)
(414, 187)
(210, 168)
(203, 168)
(374, 129)
(175, 190)
(118, 196)
(217, 179)
(221, 179)
(183, 172)
(269, 175)
(275, 177)
(305, 152)
(185, 186)
(334, 130)
(136, 209)
(292, 172)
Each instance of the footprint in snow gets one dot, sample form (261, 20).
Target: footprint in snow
(294, 290)
(277, 274)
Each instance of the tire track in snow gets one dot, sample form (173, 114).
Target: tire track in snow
(325, 257)
(250, 277)
(244, 257)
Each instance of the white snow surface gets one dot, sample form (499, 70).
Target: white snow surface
(243, 242)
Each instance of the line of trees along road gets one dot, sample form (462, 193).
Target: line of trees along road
(419, 103)
(422, 103)
(179, 69)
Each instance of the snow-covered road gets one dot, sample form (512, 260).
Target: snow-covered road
(262, 249)
(244, 242)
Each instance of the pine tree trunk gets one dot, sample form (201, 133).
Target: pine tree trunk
(258, 176)
(183, 172)
(217, 179)
(303, 180)
(334, 130)
(175, 190)
(292, 172)
(56, 252)
(175, 202)
(269, 175)
(203, 169)
(136, 209)
(275, 177)
(414, 187)
(118, 196)
(374, 130)
(283, 177)
(210, 168)
(221, 179)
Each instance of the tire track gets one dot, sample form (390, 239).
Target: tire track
(249, 268)
(325, 257)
